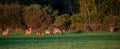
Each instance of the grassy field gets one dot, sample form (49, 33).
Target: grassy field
(86, 40)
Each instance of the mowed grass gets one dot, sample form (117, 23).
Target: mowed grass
(84, 40)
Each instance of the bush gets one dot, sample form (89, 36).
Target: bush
(77, 22)
(62, 21)
(110, 21)
(32, 15)
(10, 15)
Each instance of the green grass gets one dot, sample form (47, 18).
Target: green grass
(86, 40)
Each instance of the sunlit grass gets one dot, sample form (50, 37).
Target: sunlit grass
(83, 40)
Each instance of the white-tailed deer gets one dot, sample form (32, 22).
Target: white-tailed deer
(47, 31)
(5, 32)
(39, 33)
(114, 29)
(56, 30)
(111, 29)
(28, 31)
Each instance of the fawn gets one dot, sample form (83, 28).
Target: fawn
(39, 33)
(5, 32)
(56, 30)
(28, 31)
(47, 31)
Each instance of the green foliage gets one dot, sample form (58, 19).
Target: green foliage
(62, 21)
(53, 13)
(94, 17)
(10, 15)
(77, 22)
(77, 18)
(65, 14)
(32, 15)
(110, 21)
(108, 7)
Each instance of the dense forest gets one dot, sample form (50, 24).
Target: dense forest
(84, 15)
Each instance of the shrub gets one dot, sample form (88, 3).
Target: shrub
(31, 15)
(77, 22)
(10, 15)
(110, 21)
(62, 21)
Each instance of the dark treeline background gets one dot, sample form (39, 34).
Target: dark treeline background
(84, 15)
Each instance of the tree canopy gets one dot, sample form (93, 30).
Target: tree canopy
(65, 14)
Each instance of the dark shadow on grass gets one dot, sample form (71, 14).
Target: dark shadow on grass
(79, 31)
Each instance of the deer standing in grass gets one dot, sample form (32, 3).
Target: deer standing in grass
(28, 31)
(111, 29)
(47, 31)
(5, 32)
(56, 30)
(39, 33)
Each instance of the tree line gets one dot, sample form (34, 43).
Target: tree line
(84, 15)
